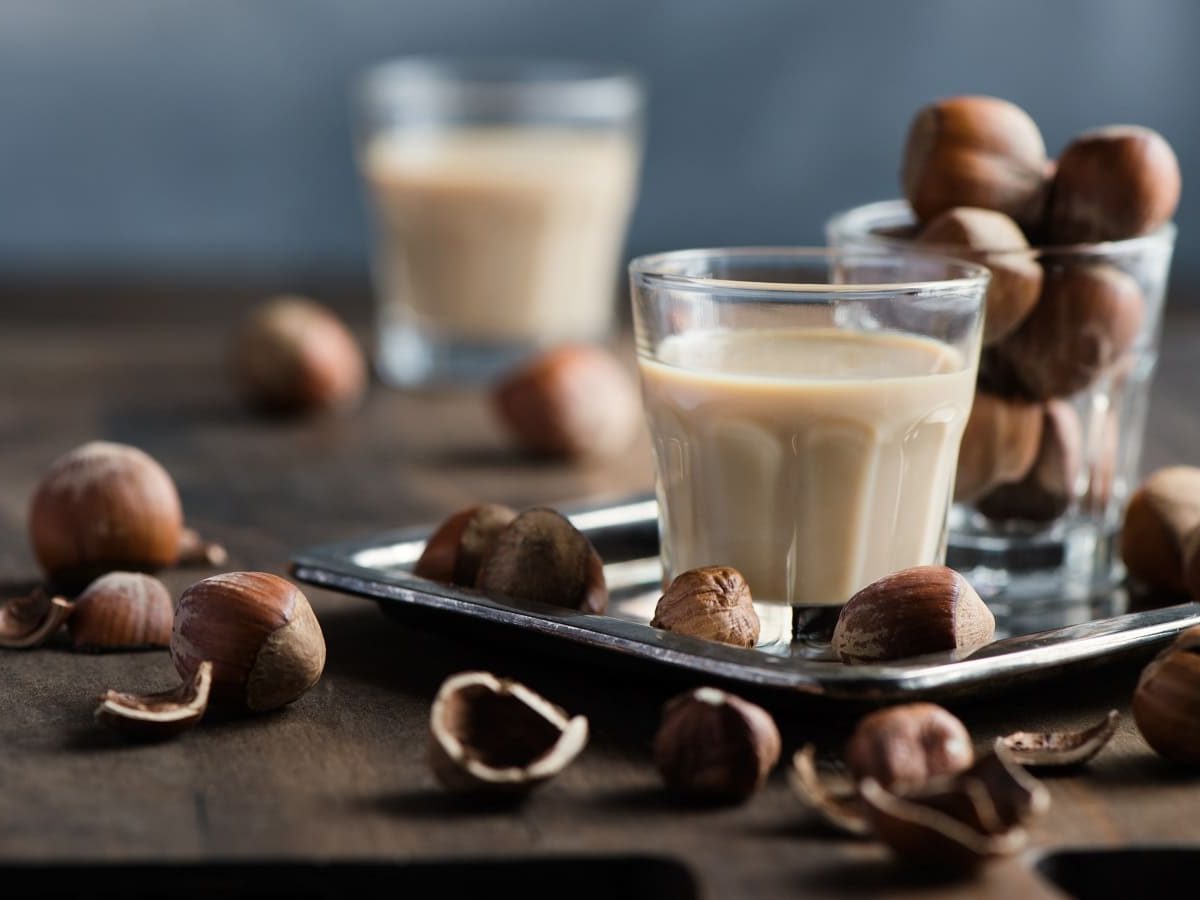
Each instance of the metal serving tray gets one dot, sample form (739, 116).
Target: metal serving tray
(1034, 642)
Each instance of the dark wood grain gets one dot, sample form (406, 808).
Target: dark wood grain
(342, 773)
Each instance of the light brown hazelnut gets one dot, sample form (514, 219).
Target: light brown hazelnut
(454, 551)
(293, 355)
(919, 610)
(1049, 486)
(541, 557)
(1086, 320)
(975, 151)
(572, 402)
(995, 240)
(1166, 704)
(122, 611)
(712, 603)
(999, 444)
(1161, 512)
(903, 747)
(496, 735)
(153, 717)
(1113, 183)
(101, 507)
(713, 746)
(257, 630)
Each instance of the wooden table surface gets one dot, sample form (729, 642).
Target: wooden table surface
(342, 774)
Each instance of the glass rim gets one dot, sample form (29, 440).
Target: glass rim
(868, 212)
(652, 268)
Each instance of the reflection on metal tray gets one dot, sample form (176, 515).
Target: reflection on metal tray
(1034, 642)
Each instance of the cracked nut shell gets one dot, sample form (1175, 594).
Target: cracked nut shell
(712, 603)
(1166, 703)
(715, 747)
(919, 610)
(454, 551)
(32, 619)
(122, 611)
(903, 747)
(158, 716)
(1161, 513)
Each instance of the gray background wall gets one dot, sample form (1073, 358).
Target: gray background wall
(214, 135)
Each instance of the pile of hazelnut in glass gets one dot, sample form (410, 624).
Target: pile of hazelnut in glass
(1058, 320)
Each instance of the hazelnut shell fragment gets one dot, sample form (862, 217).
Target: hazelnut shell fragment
(715, 747)
(902, 747)
(1161, 512)
(495, 735)
(454, 551)
(1061, 749)
(839, 806)
(31, 620)
(1166, 703)
(541, 557)
(919, 610)
(158, 716)
(712, 603)
(122, 611)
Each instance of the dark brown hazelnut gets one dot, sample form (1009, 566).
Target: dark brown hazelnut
(293, 355)
(1048, 488)
(713, 746)
(975, 151)
(1000, 444)
(454, 551)
(1166, 704)
(1113, 183)
(995, 240)
(924, 609)
(571, 402)
(712, 603)
(541, 557)
(902, 747)
(1087, 318)
(1160, 514)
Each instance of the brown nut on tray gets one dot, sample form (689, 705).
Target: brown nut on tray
(572, 402)
(715, 747)
(101, 507)
(1113, 183)
(122, 611)
(923, 609)
(994, 239)
(540, 556)
(1047, 489)
(902, 747)
(1087, 318)
(454, 551)
(1160, 514)
(712, 603)
(975, 151)
(1000, 444)
(1166, 704)
(496, 735)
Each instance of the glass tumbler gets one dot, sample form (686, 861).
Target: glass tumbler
(500, 194)
(1051, 452)
(805, 409)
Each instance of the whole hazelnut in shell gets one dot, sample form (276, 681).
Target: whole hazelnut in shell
(1047, 489)
(454, 551)
(1113, 183)
(1086, 320)
(1160, 515)
(903, 747)
(975, 151)
(259, 632)
(122, 611)
(101, 507)
(293, 355)
(572, 402)
(995, 240)
(1166, 703)
(712, 603)
(999, 444)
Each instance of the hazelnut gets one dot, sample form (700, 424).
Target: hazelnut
(1087, 318)
(293, 355)
(453, 552)
(999, 444)
(1161, 512)
(571, 402)
(975, 151)
(541, 557)
(914, 611)
(258, 631)
(712, 603)
(195, 550)
(101, 507)
(995, 240)
(1113, 183)
(1049, 486)
(32, 619)
(902, 747)
(492, 734)
(715, 747)
(158, 716)
(1166, 704)
(122, 611)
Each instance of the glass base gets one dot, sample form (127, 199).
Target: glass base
(409, 357)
